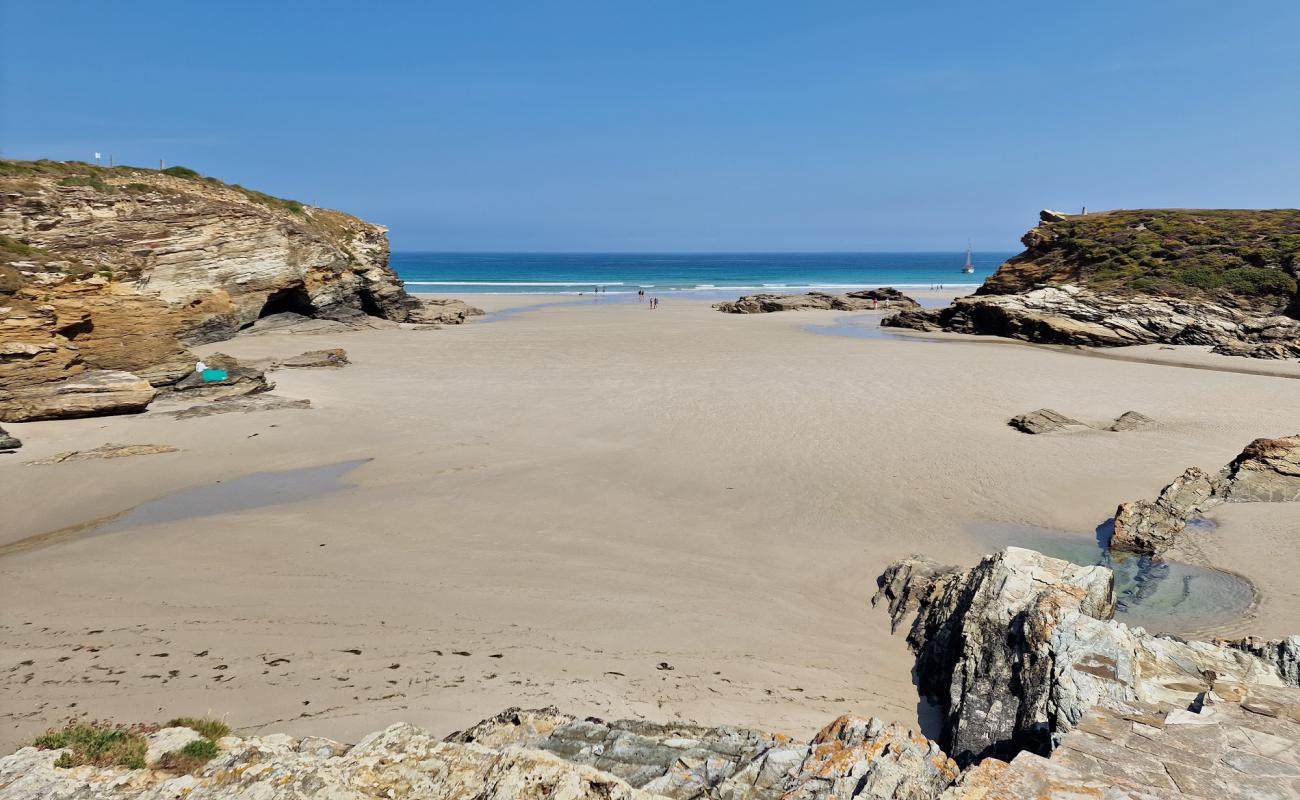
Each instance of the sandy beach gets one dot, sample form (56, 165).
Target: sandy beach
(675, 514)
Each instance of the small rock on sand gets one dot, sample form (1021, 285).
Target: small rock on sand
(107, 451)
(1044, 420)
(333, 357)
(8, 442)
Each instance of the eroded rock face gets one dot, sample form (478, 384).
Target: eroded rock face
(89, 394)
(864, 300)
(1071, 315)
(1268, 471)
(123, 269)
(1044, 420)
(399, 762)
(533, 754)
(1017, 649)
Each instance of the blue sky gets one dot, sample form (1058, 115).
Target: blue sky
(667, 125)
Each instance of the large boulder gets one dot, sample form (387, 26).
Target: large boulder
(441, 311)
(89, 394)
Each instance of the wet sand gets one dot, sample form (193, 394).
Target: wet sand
(675, 514)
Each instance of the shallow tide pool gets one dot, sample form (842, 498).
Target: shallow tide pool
(1159, 595)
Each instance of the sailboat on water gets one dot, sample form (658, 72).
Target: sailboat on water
(969, 266)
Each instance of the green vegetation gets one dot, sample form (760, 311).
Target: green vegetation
(10, 247)
(93, 181)
(104, 744)
(181, 172)
(191, 757)
(1228, 255)
(98, 743)
(210, 728)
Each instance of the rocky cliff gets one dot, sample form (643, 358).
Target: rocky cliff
(119, 269)
(1018, 649)
(1223, 278)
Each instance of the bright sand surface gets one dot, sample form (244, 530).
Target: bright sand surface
(561, 501)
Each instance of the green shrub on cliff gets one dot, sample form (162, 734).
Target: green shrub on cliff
(191, 757)
(1224, 254)
(97, 743)
(210, 728)
(181, 172)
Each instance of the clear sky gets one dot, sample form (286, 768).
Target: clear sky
(676, 124)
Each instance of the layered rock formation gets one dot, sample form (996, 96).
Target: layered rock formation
(1240, 747)
(1226, 279)
(850, 758)
(1268, 470)
(864, 300)
(1017, 649)
(120, 269)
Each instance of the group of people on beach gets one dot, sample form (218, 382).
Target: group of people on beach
(936, 287)
(654, 301)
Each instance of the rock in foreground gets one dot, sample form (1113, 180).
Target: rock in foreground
(1018, 648)
(8, 442)
(850, 758)
(1241, 747)
(864, 300)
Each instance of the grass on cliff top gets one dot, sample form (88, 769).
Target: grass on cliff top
(79, 173)
(106, 744)
(99, 744)
(1249, 254)
(191, 757)
(209, 728)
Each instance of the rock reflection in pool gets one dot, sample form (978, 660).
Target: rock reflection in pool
(1161, 596)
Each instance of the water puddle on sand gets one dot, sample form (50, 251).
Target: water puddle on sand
(1161, 596)
(255, 490)
(858, 326)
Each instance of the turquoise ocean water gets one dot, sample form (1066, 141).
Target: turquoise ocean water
(702, 274)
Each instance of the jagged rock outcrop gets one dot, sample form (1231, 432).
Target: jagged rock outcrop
(1018, 648)
(1047, 420)
(538, 754)
(1267, 470)
(864, 300)
(8, 442)
(1226, 279)
(1130, 421)
(1283, 654)
(122, 269)
(401, 761)
(1241, 747)
(93, 393)
(1044, 420)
